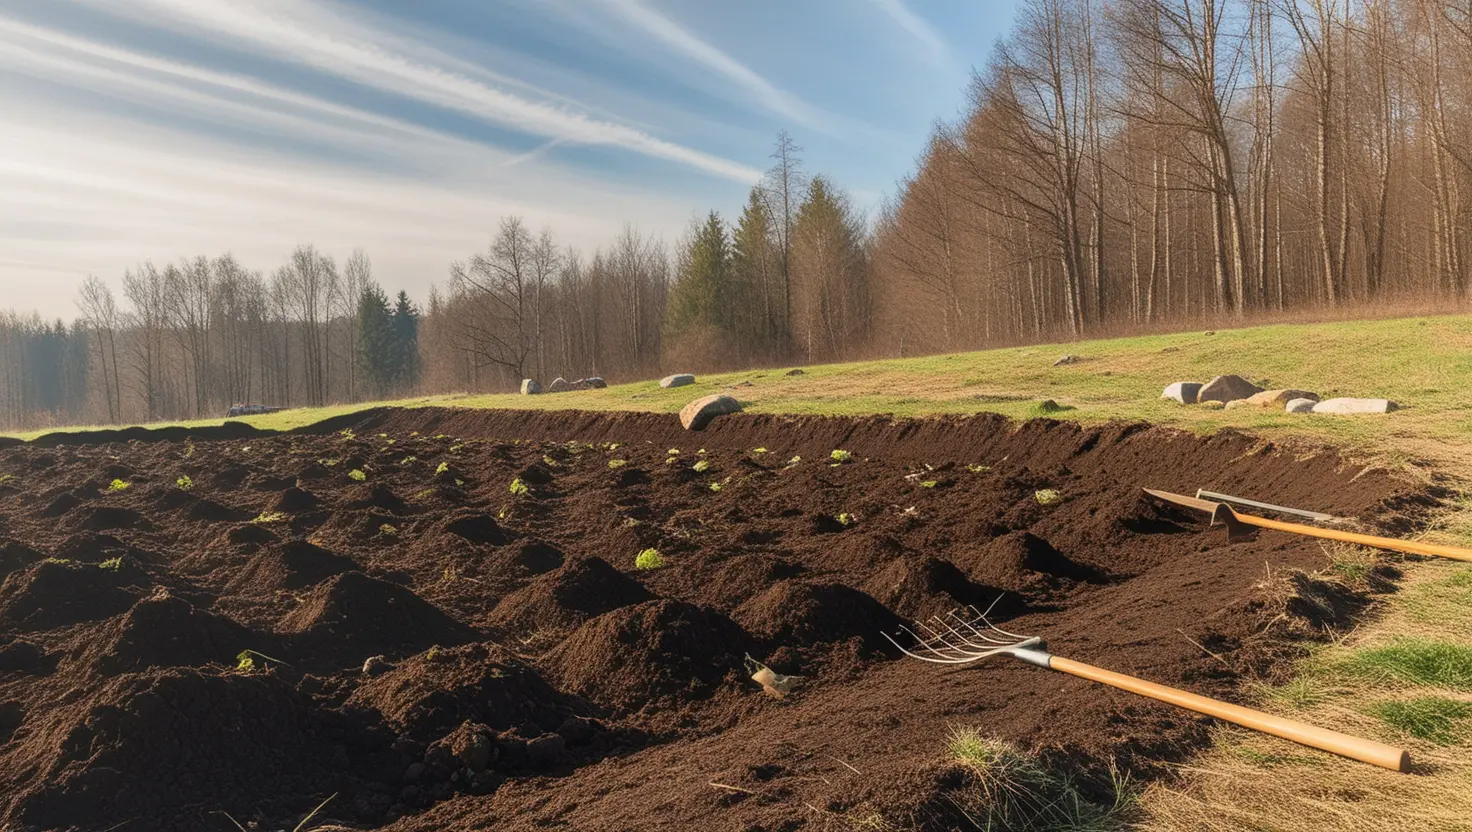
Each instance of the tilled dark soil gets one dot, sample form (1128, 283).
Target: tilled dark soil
(527, 675)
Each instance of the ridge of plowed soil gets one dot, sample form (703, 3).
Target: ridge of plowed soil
(461, 639)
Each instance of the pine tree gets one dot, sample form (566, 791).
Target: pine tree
(405, 343)
(757, 267)
(701, 297)
(376, 352)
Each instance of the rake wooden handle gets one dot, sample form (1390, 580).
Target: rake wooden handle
(1356, 748)
(1408, 546)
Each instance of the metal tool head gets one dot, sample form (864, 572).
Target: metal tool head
(1221, 513)
(962, 637)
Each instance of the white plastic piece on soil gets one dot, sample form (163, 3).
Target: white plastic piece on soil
(775, 684)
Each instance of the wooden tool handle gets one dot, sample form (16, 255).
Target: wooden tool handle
(1408, 546)
(1364, 750)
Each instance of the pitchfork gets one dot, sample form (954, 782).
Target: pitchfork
(958, 640)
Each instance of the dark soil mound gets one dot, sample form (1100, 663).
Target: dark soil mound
(636, 656)
(161, 746)
(107, 518)
(295, 500)
(353, 616)
(165, 631)
(535, 474)
(250, 533)
(209, 511)
(1021, 561)
(744, 576)
(800, 613)
(918, 587)
(295, 564)
(579, 590)
(537, 557)
(62, 504)
(478, 528)
(54, 593)
(21, 656)
(15, 556)
(430, 694)
(231, 476)
(380, 498)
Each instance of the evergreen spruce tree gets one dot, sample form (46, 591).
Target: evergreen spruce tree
(405, 343)
(377, 355)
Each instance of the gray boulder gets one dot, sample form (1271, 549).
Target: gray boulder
(1185, 392)
(559, 385)
(530, 387)
(592, 383)
(1227, 389)
(1301, 406)
(677, 380)
(1347, 406)
(699, 413)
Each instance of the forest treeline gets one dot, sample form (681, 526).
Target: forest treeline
(1120, 165)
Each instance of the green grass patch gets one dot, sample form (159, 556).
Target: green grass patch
(1414, 660)
(1436, 719)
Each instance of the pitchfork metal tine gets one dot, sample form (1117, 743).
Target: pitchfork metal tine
(981, 635)
(982, 617)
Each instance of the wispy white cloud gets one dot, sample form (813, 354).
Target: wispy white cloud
(935, 46)
(692, 46)
(328, 40)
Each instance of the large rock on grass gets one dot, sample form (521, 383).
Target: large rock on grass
(1227, 389)
(1185, 392)
(1354, 406)
(530, 387)
(590, 383)
(1301, 406)
(699, 413)
(677, 380)
(1278, 398)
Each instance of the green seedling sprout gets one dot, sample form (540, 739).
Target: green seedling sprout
(701, 466)
(441, 469)
(845, 519)
(518, 487)
(184, 483)
(715, 486)
(649, 559)
(1047, 497)
(269, 517)
(118, 485)
(330, 463)
(758, 451)
(112, 564)
(347, 434)
(841, 456)
(357, 475)
(617, 463)
(388, 530)
(928, 484)
(978, 469)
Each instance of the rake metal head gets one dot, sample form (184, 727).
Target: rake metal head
(961, 639)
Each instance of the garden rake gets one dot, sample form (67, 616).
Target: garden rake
(958, 640)
(1240, 527)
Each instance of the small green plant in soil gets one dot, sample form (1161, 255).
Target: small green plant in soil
(409, 460)
(184, 483)
(701, 466)
(269, 517)
(978, 469)
(845, 519)
(329, 463)
(388, 530)
(518, 488)
(715, 486)
(347, 434)
(758, 451)
(244, 662)
(673, 452)
(112, 564)
(4, 478)
(357, 475)
(441, 469)
(1047, 497)
(1436, 719)
(794, 461)
(119, 485)
(617, 463)
(649, 559)
(928, 483)
(841, 456)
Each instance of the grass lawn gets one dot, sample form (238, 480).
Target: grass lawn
(1404, 677)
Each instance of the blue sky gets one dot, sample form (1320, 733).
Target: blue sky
(138, 129)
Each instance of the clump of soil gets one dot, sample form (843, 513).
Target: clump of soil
(295, 564)
(918, 588)
(566, 597)
(62, 504)
(1022, 561)
(55, 593)
(166, 631)
(250, 534)
(801, 613)
(209, 511)
(353, 616)
(237, 743)
(379, 498)
(107, 518)
(478, 528)
(15, 555)
(537, 557)
(430, 693)
(295, 501)
(636, 656)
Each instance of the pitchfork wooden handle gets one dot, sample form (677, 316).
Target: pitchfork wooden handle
(1356, 748)
(1408, 546)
